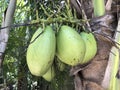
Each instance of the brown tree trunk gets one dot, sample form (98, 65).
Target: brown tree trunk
(92, 75)
(4, 33)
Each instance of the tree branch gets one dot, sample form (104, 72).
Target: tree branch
(4, 33)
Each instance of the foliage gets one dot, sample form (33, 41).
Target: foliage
(3, 5)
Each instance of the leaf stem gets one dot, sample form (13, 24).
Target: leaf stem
(99, 7)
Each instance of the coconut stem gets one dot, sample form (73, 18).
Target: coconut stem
(99, 7)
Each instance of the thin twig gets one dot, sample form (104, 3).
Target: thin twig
(44, 10)
(18, 25)
(84, 16)
(54, 20)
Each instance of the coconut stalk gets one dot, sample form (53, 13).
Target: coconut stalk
(115, 82)
(110, 81)
(113, 85)
(99, 7)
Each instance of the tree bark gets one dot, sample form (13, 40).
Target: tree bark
(4, 33)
